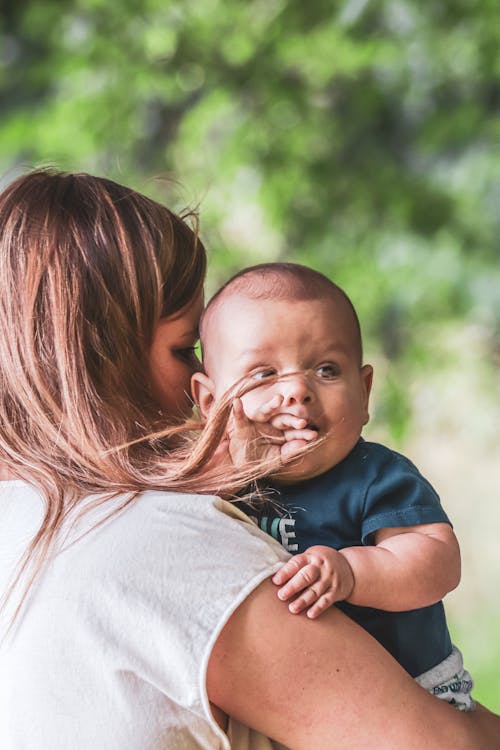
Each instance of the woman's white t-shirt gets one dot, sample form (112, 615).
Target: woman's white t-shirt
(111, 647)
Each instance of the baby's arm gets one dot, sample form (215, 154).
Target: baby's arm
(407, 568)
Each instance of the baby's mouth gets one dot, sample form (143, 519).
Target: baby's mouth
(311, 426)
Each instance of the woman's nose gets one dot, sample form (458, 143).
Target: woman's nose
(296, 390)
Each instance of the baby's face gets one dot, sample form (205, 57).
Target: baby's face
(316, 338)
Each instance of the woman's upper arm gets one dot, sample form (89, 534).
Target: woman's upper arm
(324, 684)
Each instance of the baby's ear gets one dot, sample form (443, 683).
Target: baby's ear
(203, 392)
(367, 381)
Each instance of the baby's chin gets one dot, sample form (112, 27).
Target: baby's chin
(297, 470)
(322, 456)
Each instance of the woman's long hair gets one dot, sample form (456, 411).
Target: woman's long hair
(87, 269)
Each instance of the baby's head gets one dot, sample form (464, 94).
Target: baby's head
(287, 320)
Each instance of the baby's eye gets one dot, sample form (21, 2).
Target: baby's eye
(267, 372)
(328, 371)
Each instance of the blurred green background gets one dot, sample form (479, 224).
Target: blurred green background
(362, 138)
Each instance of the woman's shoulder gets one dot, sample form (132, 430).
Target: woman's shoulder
(207, 521)
(181, 535)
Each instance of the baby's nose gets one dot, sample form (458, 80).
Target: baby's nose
(297, 390)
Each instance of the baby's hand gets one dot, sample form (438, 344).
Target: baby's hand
(265, 434)
(322, 574)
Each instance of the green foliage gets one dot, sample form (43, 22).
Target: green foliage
(359, 137)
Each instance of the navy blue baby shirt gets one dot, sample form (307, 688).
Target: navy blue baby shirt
(372, 488)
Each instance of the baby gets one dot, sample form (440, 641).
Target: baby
(367, 531)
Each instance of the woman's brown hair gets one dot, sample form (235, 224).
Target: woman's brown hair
(87, 269)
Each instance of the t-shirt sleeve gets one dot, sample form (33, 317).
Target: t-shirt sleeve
(200, 558)
(399, 496)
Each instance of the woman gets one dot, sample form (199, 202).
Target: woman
(130, 603)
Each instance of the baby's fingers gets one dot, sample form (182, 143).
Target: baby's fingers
(238, 414)
(289, 569)
(266, 411)
(292, 448)
(307, 435)
(288, 422)
(314, 599)
(323, 603)
(306, 580)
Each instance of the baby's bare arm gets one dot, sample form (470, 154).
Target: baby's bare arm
(409, 567)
